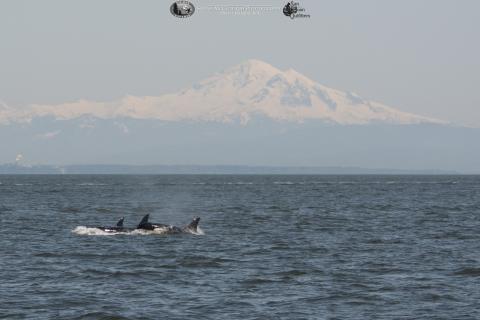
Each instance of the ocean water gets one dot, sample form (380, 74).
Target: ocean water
(272, 247)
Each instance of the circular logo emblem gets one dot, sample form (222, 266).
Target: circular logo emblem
(182, 9)
(290, 9)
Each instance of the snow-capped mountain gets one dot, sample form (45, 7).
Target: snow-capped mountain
(250, 89)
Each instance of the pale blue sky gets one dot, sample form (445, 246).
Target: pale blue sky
(417, 56)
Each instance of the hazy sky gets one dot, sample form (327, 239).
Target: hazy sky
(417, 56)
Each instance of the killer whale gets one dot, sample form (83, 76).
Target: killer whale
(117, 228)
(145, 225)
(192, 227)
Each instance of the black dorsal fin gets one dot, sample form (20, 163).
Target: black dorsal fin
(120, 222)
(193, 225)
(144, 220)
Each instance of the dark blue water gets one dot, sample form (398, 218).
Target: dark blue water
(274, 247)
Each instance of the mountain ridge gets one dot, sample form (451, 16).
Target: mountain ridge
(15, 168)
(260, 142)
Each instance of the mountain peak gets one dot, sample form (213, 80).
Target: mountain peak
(251, 69)
(257, 64)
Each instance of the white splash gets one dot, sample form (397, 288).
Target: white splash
(156, 231)
(199, 232)
(92, 231)
(88, 231)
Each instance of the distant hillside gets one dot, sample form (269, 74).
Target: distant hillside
(192, 169)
